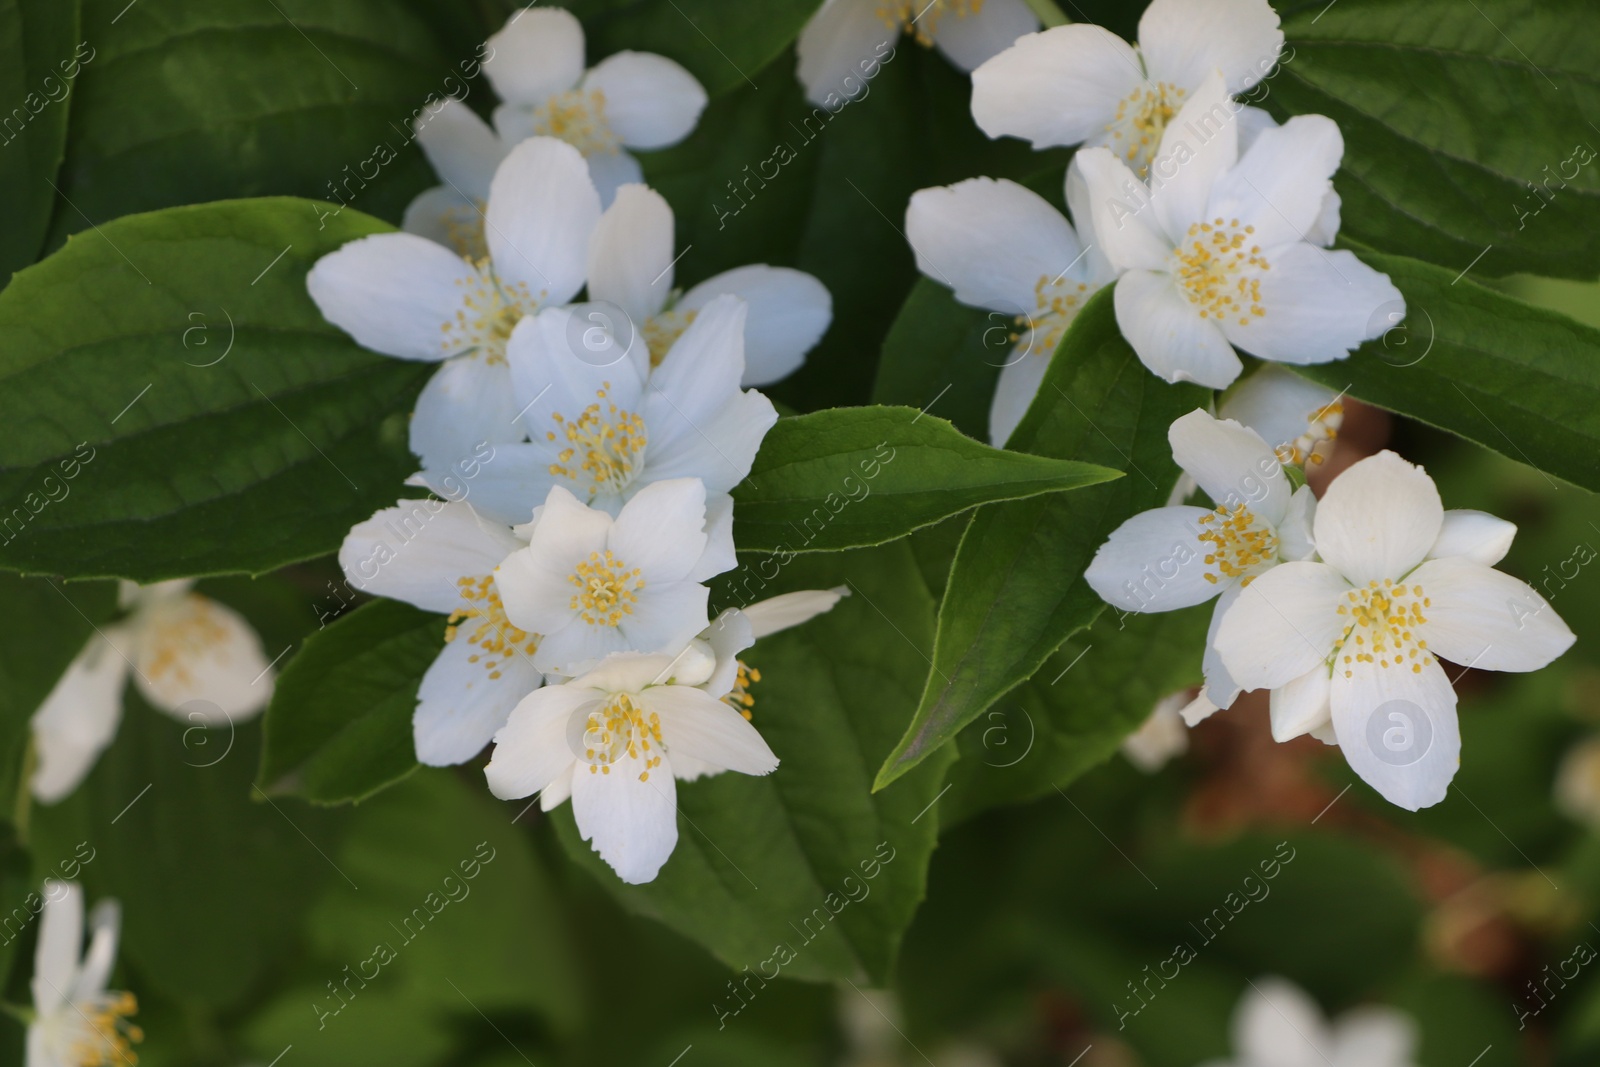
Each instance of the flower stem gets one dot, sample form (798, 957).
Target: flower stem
(1048, 13)
(23, 807)
(23, 1015)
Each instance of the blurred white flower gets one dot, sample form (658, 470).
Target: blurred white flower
(1577, 788)
(77, 1021)
(190, 656)
(1278, 1025)
(1163, 735)
(1356, 637)
(1298, 418)
(1082, 84)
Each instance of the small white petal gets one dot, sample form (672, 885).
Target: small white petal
(200, 661)
(704, 728)
(1302, 705)
(1018, 384)
(392, 292)
(1058, 87)
(466, 404)
(791, 609)
(1277, 1023)
(632, 820)
(1198, 146)
(539, 53)
(661, 530)
(542, 209)
(444, 217)
(1398, 730)
(972, 38)
(1220, 690)
(1185, 40)
(630, 253)
(1294, 532)
(55, 960)
(1232, 464)
(610, 171)
(558, 791)
(1162, 736)
(1319, 305)
(1198, 710)
(1477, 535)
(841, 48)
(105, 928)
(787, 313)
(720, 555)
(1276, 403)
(1376, 1035)
(651, 102)
(1378, 519)
(1154, 562)
(1168, 334)
(462, 148)
(1120, 213)
(418, 549)
(80, 716)
(461, 702)
(1284, 624)
(1280, 185)
(1480, 617)
(534, 747)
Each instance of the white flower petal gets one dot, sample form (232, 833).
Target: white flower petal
(1058, 87)
(535, 583)
(1302, 705)
(417, 550)
(1398, 730)
(729, 634)
(557, 792)
(703, 727)
(1277, 1023)
(466, 404)
(1276, 403)
(787, 313)
(80, 716)
(1119, 213)
(610, 171)
(1095, 268)
(534, 747)
(1161, 737)
(718, 449)
(105, 928)
(1378, 519)
(195, 653)
(463, 149)
(466, 696)
(1294, 532)
(720, 554)
(841, 48)
(667, 616)
(630, 253)
(1325, 230)
(1185, 40)
(791, 609)
(1480, 617)
(972, 38)
(1168, 334)
(503, 482)
(1198, 146)
(626, 672)
(576, 646)
(1198, 710)
(1285, 623)
(651, 102)
(55, 960)
(1232, 464)
(991, 240)
(542, 209)
(1014, 391)
(1377, 1036)
(1477, 535)
(1220, 690)
(444, 217)
(632, 820)
(392, 292)
(661, 530)
(537, 54)
(1280, 185)
(701, 371)
(1153, 562)
(1320, 306)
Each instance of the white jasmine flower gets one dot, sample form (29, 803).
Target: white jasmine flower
(1215, 252)
(1161, 737)
(628, 100)
(1252, 122)
(1357, 637)
(606, 428)
(1278, 1025)
(1001, 246)
(608, 739)
(1577, 788)
(1176, 557)
(407, 297)
(441, 557)
(846, 41)
(1082, 84)
(593, 584)
(631, 260)
(1298, 418)
(190, 656)
(78, 1022)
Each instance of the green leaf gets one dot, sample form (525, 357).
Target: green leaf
(1074, 713)
(339, 727)
(1516, 379)
(1016, 591)
(944, 357)
(723, 43)
(173, 364)
(763, 862)
(187, 101)
(1416, 89)
(40, 58)
(852, 477)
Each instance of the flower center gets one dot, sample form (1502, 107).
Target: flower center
(607, 445)
(607, 589)
(490, 309)
(1382, 627)
(1238, 543)
(738, 698)
(463, 227)
(1140, 120)
(663, 330)
(1322, 428)
(99, 1033)
(578, 117)
(920, 18)
(1059, 300)
(182, 637)
(1219, 269)
(494, 635)
(620, 728)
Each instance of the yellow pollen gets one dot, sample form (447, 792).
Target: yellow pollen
(182, 637)
(1219, 274)
(1383, 621)
(607, 589)
(920, 18)
(578, 117)
(1313, 446)
(738, 698)
(493, 635)
(108, 1038)
(1239, 543)
(661, 331)
(490, 309)
(1141, 118)
(605, 445)
(464, 231)
(1057, 301)
(620, 728)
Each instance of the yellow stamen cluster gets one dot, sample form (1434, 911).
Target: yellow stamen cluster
(464, 231)
(489, 310)
(1140, 121)
(608, 446)
(1384, 621)
(1238, 543)
(494, 635)
(1058, 301)
(1322, 429)
(607, 589)
(180, 638)
(619, 728)
(1219, 269)
(920, 18)
(738, 698)
(578, 117)
(109, 1037)
(663, 330)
